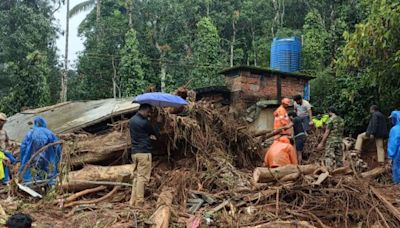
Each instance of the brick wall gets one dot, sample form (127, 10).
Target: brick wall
(264, 86)
(292, 86)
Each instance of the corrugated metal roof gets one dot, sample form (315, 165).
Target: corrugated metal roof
(69, 116)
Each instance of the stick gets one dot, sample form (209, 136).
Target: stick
(84, 192)
(382, 217)
(277, 203)
(219, 207)
(104, 183)
(115, 189)
(304, 216)
(387, 204)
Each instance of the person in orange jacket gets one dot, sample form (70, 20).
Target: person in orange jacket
(281, 117)
(281, 153)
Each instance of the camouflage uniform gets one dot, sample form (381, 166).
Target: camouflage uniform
(333, 149)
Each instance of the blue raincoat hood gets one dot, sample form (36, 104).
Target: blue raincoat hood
(39, 121)
(394, 146)
(395, 117)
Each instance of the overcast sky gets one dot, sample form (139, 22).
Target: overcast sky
(75, 42)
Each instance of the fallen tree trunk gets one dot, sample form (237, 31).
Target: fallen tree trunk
(92, 150)
(263, 174)
(161, 217)
(75, 181)
(375, 172)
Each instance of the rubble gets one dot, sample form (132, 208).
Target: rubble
(207, 172)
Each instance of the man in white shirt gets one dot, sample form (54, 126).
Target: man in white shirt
(303, 110)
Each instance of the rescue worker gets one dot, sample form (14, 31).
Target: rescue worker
(377, 130)
(3, 134)
(333, 137)
(46, 163)
(141, 132)
(280, 153)
(281, 117)
(299, 134)
(303, 110)
(394, 146)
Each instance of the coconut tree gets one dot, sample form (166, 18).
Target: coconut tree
(85, 6)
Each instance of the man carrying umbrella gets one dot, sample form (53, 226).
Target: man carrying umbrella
(141, 132)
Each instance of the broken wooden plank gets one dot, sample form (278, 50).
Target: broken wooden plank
(219, 207)
(321, 178)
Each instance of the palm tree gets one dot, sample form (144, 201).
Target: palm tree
(85, 6)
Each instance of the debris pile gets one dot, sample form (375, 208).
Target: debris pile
(207, 170)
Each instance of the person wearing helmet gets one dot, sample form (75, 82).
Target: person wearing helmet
(281, 117)
(3, 134)
(280, 153)
(393, 148)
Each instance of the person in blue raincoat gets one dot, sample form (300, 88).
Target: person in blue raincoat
(45, 165)
(394, 146)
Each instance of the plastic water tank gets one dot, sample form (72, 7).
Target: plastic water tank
(286, 54)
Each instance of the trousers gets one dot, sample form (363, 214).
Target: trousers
(379, 145)
(333, 155)
(141, 176)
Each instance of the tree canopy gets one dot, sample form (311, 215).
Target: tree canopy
(352, 47)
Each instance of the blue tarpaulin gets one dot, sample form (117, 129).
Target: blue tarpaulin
(160, 100)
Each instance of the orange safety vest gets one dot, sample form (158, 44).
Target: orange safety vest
(281, 119)
(280, 154)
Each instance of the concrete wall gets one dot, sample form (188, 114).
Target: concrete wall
(265, 121)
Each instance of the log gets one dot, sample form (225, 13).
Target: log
(108, 195)
(92, 150)
(84, 192)
(375, 172)
(264, 175)
(290, 177)
(161, 217)
(75, 180)
(386, 203)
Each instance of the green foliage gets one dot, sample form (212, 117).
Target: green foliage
(28, 63)
(30, 87)
(315, 46)
(206, 55)
(131, 73)
(371, 57)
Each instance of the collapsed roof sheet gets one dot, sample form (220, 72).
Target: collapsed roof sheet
(69, 116)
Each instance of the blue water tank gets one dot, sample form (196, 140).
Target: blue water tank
(286, 54)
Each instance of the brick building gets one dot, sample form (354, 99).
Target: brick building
(261, 89)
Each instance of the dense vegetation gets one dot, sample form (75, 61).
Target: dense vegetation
(352, 47)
